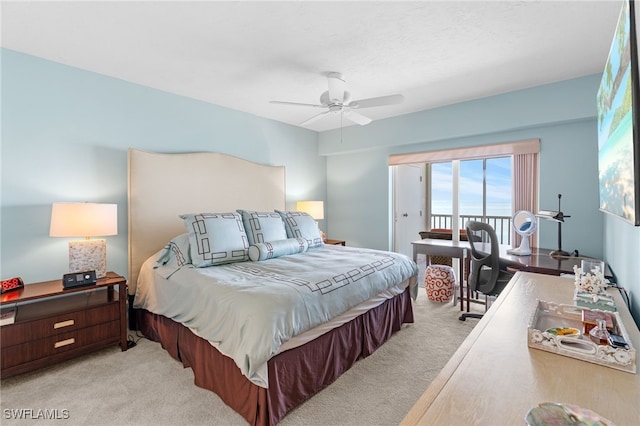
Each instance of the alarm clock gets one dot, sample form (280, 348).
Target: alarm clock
(78, 279)
(12, 284)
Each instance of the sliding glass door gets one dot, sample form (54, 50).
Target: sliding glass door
(484, 189)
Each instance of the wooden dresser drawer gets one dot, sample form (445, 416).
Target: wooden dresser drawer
(26, 352)
(51, 323)
(28, 331)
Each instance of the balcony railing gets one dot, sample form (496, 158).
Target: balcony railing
(502, 224)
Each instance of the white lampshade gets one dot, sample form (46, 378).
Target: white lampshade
(315, 209)
(85, 220)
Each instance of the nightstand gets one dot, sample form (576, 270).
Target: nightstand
(58, 324)
(335, 242)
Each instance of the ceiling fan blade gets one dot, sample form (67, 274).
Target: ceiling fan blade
(336, 87)
(296, 104)
(356, 117)
(314, 118)
(379, 101)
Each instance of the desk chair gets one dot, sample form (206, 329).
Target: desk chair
(485, 274)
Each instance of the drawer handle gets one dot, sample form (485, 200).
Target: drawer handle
(64, 343)
(62, 324)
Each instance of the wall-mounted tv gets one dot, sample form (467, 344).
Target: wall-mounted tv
(618, 105)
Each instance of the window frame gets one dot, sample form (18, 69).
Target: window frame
(529, 149)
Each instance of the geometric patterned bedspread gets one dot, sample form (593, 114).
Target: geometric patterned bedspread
(249, 309)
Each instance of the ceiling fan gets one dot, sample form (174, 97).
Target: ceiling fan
(338, 100)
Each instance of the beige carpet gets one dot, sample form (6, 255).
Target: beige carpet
(145, 386)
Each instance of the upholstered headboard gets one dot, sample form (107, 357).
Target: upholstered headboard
(163, 186)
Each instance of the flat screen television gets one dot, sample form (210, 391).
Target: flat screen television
(618, 107)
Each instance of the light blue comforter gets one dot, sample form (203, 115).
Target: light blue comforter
(249, 309)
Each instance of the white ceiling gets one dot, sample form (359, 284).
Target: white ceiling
(243, 54)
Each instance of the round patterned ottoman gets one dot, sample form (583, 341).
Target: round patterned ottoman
(440, 282)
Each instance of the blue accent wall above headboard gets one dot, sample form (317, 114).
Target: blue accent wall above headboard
(65, 135)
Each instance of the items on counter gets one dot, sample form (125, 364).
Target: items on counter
(590, 317)
(599, 334)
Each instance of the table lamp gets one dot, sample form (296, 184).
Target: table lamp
(85, 220)
(556, 216)
(315, 209)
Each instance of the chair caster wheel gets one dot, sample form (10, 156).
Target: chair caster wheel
(462, 318)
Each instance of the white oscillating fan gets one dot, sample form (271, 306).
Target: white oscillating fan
(524, 223)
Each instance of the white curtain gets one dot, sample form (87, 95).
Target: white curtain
(525, 189)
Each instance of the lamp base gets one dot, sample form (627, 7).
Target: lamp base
(88, 255)
(559, 253)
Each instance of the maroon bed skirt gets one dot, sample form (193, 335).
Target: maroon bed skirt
(294, 375)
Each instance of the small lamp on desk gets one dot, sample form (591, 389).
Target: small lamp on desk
(556, 216)
(85, 220)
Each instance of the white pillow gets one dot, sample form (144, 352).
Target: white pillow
(173, 256)
(216, 238)
(302, 225)
(263, 226)
(273, 249)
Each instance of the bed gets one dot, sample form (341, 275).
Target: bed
(280, 372)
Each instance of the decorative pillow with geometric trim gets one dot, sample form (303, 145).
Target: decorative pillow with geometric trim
(216, 238)
(262, 227)
(175, 255)
(302, 225)
(273, 249)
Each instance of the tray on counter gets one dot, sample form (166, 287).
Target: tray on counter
(549, 315)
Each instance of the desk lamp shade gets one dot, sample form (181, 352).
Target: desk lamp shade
(85, 220)
(315, 209)
(556, 216)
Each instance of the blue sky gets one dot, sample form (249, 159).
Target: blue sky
(498, 187)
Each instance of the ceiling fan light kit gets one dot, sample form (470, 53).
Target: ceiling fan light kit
(338, 100)
(337, 87)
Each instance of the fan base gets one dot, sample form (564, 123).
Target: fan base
(524, 249)
(519, 252)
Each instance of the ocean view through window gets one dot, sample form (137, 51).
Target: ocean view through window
(484, 193)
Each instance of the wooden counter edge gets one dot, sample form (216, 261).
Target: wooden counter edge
(417, 412)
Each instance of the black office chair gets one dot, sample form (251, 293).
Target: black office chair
(486, 275)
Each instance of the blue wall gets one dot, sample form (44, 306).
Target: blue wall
(65, 135)
(562, 115)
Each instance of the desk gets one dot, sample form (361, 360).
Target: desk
(539, 261)
(494, 378)
(449, 248)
